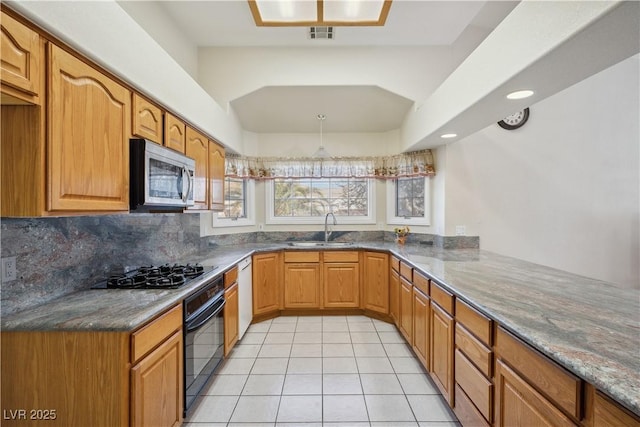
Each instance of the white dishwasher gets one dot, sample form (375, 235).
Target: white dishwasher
(245, 295)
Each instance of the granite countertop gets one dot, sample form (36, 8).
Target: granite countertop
(590, 327)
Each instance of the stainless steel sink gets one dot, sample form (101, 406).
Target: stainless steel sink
(320, 244)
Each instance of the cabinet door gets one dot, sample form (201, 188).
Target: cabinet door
(341, 285)
(406, 310)
(156, 386)
(421, 310)
(147, 119)
(174, 133)
(231, 318)
(441, 343)
(376, 282)
(88, 144)
(266, 283)
(198, 149)
(519, 404)
(302, 285)
(394, 297)
(216, 176)
(20, 63)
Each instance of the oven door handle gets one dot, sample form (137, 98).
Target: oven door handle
(192, 327)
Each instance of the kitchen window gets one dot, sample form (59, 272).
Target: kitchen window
(408, 201)
(238, 204)
(308, 200)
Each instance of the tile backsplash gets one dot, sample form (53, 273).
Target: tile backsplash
(57, 256)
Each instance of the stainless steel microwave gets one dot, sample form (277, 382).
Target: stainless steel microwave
(161, 179)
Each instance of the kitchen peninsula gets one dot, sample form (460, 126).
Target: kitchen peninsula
(586, 326)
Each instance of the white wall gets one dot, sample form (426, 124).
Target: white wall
(156, 21)
(563, 190)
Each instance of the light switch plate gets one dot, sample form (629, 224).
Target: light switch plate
(461, 230)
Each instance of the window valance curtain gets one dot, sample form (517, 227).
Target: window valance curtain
(417, 163)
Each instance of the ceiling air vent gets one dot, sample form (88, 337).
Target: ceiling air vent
(321, 33)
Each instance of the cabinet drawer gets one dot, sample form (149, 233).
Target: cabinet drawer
(466, 412)
(148, 337)
(475, 351)
(340, 256)
(443, 298)
(421, 282)
(475, 322)
(609, 413)
(475, 385)
(300, 256)
(230, 277)
(395, 264)
(563, 388)
(406, 271)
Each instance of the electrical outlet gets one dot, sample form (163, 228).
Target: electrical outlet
(461, 230)
(261, 227)
(9, 269)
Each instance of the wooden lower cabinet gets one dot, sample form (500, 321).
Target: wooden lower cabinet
(95, 378)
(406, 310)
(394, 296)
(231, 318)
(376, 282)
(519, 404)
(421, 311)
(266, 283)
(157, 386)
(302, 285)
(341, 284)
(441, 345)
(608, 413)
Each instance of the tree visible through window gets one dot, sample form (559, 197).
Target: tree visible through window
(410, 197)
(311, 197)
(235, 205)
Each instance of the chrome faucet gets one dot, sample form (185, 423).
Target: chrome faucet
(327, 232)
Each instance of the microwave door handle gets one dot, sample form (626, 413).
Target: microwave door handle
(187, 178)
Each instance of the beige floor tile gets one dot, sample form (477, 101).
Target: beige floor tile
(283, 327)
(417, 384)
(334, 319)
(253, 338)
(336, 337)
(213, 409)
(380, 384)
(206, 425)
(263, 385)
(236, 366)
(398, 350)
(388, 408)
(339, 365)
(245, 351)
(309, 327)
(335, 327)
(391, 337)
(300, 384)
(438, 424)
(279, 338)
(259, 327)
(256, 409)
(306, 350)
(310, 319)
(384, 326)
(337, 350)
(394, 424)
(226, 385)
(406, 365)
(361, 327)
(430, 408)
(365, 337)
(344, 408)
(275, 350)
(307, 338)
(300, 409)
(359, 319)
(369, 350)
(270, 365)
(285, 319)
(304, 365)
(341, 384)
(347, 424)
(374, 365)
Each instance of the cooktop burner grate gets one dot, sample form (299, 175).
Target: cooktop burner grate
(167, 276)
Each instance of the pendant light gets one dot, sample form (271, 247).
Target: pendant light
(321, 152)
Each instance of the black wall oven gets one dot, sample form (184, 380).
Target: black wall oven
(203, 338)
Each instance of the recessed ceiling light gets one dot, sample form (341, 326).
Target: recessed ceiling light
(448, 135)
(290, 13)
(520, 94)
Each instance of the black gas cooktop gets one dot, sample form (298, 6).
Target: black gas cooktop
(168, 276)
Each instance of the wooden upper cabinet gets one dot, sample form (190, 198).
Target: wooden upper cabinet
(21, 60)
(147, 119)
(198, 149)
(216, 176)
(88, 137)
(174, 133)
